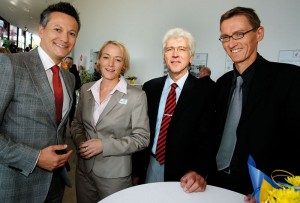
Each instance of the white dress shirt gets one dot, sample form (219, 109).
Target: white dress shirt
(162, 103)
(48, 63)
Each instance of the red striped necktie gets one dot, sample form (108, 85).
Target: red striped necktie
(58, 93)
(168, 113)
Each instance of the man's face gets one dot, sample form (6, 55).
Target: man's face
(243, 51)
(202, 73)
(69, 62)
(177, 57)
(58, 37)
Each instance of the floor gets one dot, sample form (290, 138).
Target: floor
(70, 195)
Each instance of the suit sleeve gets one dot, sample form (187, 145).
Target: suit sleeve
(13, 154)
(140, 159)
(77, 127)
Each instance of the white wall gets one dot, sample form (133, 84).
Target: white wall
(141, 24)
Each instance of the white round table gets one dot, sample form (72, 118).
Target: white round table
(171, 192)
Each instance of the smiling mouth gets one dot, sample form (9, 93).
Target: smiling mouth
(235, 50)
(61, 46)
(109, 69)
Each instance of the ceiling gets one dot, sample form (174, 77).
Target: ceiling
(25, 14)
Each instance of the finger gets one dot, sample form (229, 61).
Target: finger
(247, 198)
(82, 149)
(194, 188)
(183, 181)
(201, 186)
(63, 158)
(202, 183)
(189, 183)
(86, 154)
(68, 154)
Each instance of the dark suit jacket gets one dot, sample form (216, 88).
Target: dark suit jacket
(188, 145)
(75, 72)
(27, 125)
(208, 79)
(269, 126)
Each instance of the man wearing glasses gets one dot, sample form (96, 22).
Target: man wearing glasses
(180, 120)
(257, 110)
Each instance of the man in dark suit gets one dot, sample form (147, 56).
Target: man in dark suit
(268, 127)
(73, 69)
(187, 149)
(204, 74)
(32, 126)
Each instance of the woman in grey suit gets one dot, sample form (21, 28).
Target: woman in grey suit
(110, 124)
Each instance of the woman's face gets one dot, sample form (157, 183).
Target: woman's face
(111, 62)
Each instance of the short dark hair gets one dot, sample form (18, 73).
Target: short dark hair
(62, 7)
(249, 13)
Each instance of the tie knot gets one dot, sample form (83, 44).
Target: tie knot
(55, 69)
(239, 81)
(174, 86)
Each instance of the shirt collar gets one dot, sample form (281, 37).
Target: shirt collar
(247, 75)
(179, 82)
(46, 60)
(121, 86)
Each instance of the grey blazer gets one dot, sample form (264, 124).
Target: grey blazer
(27, 125)
(123, 128)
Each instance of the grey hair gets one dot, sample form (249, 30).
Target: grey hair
(177, 33)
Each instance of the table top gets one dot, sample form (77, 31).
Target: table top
(171, 192)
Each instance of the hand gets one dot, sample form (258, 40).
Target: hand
(250, 198)
(50, 160)
(135, 181)
(193, 182)
(90, 148)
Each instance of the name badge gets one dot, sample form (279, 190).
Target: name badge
(123, 101)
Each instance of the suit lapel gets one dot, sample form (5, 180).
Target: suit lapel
(185, 96)
(153, 97)
(39, 78)
(114, 100)
(68, 83)
(262, 81)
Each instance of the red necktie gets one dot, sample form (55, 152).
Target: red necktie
(168, 113)
(58, 93)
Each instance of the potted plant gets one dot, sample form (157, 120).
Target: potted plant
(131, 78)
(85, 76)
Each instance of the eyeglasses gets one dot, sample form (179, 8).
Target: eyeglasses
(179, 49)
(235, 36)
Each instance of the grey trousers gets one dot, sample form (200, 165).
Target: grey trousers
(91, 188)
